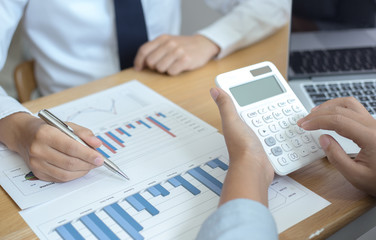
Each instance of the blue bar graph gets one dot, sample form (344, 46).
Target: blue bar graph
(107, 143)
(136, 204)
(212, 164)
(150, 208)
(159, 123)
(68, 232)
(221, 164)
(162, 190)
(124, 220)
(114, 136)
(142, 122)
(97, 227)
(187, 185)
(174, 182)
(162, 115)
(206, 179)
(103, 153)
(131, 125)
(125, 132)
(153, 191)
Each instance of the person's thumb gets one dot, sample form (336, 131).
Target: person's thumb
(337, 156)
(225, 105)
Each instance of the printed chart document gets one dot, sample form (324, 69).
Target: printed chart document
(176, 164)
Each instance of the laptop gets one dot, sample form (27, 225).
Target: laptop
(332, 53)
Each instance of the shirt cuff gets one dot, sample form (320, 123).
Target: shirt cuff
(9, 105)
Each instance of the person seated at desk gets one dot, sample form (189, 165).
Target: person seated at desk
(242, 212)
(75, 42)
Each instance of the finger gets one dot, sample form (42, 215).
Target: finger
(86, 135)
(344, 126)
(169, 49)
(340, 160)
(168, 60)
(180, 65)
(147, 48)
(225, 105)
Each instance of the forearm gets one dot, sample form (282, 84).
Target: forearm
(246, 180)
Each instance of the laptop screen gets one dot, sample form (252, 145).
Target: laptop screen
(332, 36)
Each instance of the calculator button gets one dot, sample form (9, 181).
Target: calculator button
(292, 100)
(252, 114)
(277, 115)
(306, 138)
(270, 141)
(273, 128)
(257, 122)
(268, 118)
(277, 151)
(280, 137)
(299, 130)
(287, 111)
(290, 133)
(303, 152)
(293, 119)
(284, 124)
(282, 104)
(263, 131)
(272, 107)
(313, 148)
(262, 110)
(282, 160)
(296, 108)
(293, 156)
(296, 142)
(286, 147)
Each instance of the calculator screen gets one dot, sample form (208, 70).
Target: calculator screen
(258, 90)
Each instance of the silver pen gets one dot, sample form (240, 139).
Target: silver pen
(52, 120)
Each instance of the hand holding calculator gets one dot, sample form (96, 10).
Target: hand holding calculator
(265, 101)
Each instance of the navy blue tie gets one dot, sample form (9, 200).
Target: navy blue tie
(131, 30)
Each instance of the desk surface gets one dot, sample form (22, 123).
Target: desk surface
(191, 91)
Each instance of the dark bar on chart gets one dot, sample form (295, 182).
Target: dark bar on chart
(115, 139)
(68, 232)
(212, 164)
(187, 185)
(162, 190)
(131, 125)
(143, 123)
(174, 182)
(160, 125)
(160, 115)
(122, 131)
(107, 144)
(206, 179)
(124, 220)
(103, 153)
(153, 191)
(150, 208)
(97, 227)
(221, 164)
(135, 204)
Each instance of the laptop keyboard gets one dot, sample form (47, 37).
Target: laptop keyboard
(363, 90)
(333, 61)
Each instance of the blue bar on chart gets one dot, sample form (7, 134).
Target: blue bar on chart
(120, 216)
(143, 123)
(97, 227)
(206, 179)
(130, 125)
(122, 131)
(107, 144)
(217, 163)
(160, 115)
(114, 138)
(174, 182)
(162, 190)
(103, 153)
(212, 164)
(187, 185)
(160, 125)
(68, 232)
(153, 191)
(140, 203)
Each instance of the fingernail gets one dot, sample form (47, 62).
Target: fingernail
(214, 93)
(304, 124)
(324, 142)
(98, 161)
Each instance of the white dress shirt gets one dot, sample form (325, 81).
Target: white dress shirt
(74, 41)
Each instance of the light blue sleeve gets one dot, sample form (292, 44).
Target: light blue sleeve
(239, 219)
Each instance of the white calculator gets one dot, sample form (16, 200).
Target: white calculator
(267, 104)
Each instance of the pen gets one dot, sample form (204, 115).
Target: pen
(52, 120)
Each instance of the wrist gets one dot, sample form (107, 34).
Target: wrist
(211, 47)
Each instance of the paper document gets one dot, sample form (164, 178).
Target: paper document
(176, 163)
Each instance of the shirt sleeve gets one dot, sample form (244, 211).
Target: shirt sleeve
(245, 22)
(9, 105)
(237, 219)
